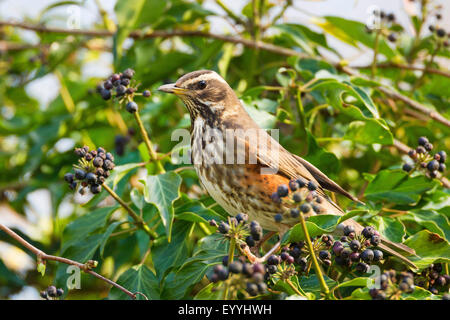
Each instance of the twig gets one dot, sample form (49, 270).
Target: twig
(232, 39)
(86, 267)
(407, 67)
(139, 221)
(396, 95)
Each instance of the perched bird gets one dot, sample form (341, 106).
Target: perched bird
(241, 165)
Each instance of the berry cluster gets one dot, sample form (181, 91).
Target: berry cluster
(241, 275)
(51, 293)
(386, 22)
(306, 204)
(393, 284)
(352, 249)
(92, 169)
(433, 279)
(124, 87)
(440, 35)
(422, 158)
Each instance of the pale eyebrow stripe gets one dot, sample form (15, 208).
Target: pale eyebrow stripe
(205, 76)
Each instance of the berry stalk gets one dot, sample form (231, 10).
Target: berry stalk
(319, 273)
(148, 143)
(140, 222)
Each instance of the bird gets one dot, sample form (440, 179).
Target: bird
(241, 166)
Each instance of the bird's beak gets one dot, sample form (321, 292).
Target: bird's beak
(172, 88)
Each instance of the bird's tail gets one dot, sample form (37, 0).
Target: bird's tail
(397, 250)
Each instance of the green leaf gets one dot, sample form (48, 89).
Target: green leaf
(320, 157)
(121, 171)
(396, 186)
(368, 132)
(137, 279)
(390, 228)
(316, 226)
(162, 190)
(80, 228)
(210, 292)
(430, 248)
(172, 254)
(127, 13)
(430, 219)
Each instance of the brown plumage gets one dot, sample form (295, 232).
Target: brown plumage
(246, 186)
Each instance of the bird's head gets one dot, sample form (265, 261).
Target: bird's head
(205, 94)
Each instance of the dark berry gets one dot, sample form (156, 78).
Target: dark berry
(80, 174)
(98, 162)
(392, 37)
(354, 256)
(428, 146)
(312, 186)
(355, 245)
(275, 197)
(305, 208)
(282, 190)
(317, 209)
(222, 274)
(420, 149)
(108, 165)
(301, 183)
(293, 185)
(433, 174)
(89, 156)
(273, 260)
(412, 153)
(375, 240)
(258, 268)
(407, 167)
(442, 156)
(96, 188)
(125, 82)
(115, 77)
(146, 93)
(120, 90)
(252, 289)
(422, 141)
(108, 85)
(106, 94)
(128, 73)
(271, 268)
(262, 288)
(247, 269)
(433, 165)
(362, 267)
(368, 232)
(241, 217)
(278, 217)
(225, 260)
(250, 241)
(377, 255)
(348, 230)
(91, 178)
(367, 255)
(284, 256)
(297, 197)
(391, 17)
(59, 292)
(441, 33)
(68, 177)
(52, 291)
(324, 255)
(294, 213)
(224, 227)
(132, 107)
(235, 267)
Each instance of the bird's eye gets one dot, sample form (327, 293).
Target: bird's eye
(201, 84)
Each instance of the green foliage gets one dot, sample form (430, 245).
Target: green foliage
(344, 124)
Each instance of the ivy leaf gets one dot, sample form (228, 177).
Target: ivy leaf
(396, 186)
(369, 132)
(162, 190)
(430, 248)
(137, 279)
(316, 225)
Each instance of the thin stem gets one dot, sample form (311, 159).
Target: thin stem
(319, 274)
(139, 221)
(148, 143)
(300, 110)
(86, 267)
(289, 282)
(375, 53)
(230, 260)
